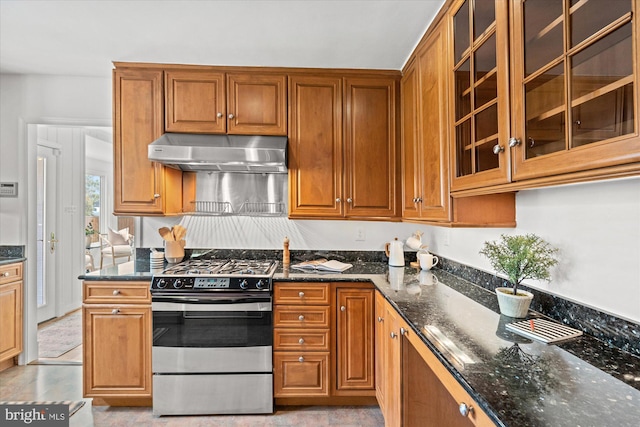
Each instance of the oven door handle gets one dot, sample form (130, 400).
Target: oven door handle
(185, 304)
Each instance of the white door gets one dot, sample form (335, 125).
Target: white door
(47, 232)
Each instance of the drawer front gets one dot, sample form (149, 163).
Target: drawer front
(116, 292)
(285, 316)
(301, 293)
(301, 339)
(300, 374)
(10, 273)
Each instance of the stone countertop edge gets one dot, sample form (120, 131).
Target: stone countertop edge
(11, 260)
(501, 409)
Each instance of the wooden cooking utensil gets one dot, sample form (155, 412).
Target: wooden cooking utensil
(179, 232)
(166, 234)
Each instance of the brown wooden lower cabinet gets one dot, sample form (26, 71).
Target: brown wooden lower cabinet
(11, 301)
(301, 373)
(414, 389)
(323, 345)
(117, 324)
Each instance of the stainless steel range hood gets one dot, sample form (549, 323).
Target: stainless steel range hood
(221, 153)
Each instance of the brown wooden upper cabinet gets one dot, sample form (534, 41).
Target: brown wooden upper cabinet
(543, 90)
(141, 187)
(342, 147)
(575, 81)
(424, 131)
(480, 84)
(235, 103)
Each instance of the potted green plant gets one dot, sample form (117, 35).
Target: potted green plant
(519, 257)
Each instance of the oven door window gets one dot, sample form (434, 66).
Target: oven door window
(212, 328)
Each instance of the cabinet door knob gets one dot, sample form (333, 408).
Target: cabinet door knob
(338, 200)
(465, 409)
(5, 274)
(300, 359)
(403, 331)
(380, 319)
(393, 335)
(301, 294)
(116, 292)
(219, 115)
(156, 196)
(301, 318)
(349, 200)
(231, 116)
(514, 142)
(497, 149)
(301, 341)
(343, 308)
(115, 311)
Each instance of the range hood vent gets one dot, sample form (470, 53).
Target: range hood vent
(221, 153)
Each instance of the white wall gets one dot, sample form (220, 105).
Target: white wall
(26, 100)
(597, 225)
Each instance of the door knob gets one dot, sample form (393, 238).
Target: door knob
(497, 149)
(231, 116)
(219, 115)
(514, 142)
(52, 242)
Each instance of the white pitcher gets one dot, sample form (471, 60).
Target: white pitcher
(395, 251)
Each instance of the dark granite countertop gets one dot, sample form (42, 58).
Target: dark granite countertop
(581, 382)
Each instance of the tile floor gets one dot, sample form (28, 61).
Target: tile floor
(64, 382)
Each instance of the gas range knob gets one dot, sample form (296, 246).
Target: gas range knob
(260, 284)
(244, 284)
(161, 284)
(178, 283)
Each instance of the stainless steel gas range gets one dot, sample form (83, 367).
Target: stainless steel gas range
(212, 338)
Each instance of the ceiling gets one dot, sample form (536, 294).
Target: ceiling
(82, 38)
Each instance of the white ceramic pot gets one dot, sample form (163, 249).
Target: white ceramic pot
(514, 305)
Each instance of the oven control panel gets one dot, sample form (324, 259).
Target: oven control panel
(200, 284)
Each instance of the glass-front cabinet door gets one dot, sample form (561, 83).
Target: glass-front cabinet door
(574, 76)
(480, 66)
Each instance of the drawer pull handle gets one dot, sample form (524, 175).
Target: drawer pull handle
(301, 341)
(301, 318)
(465, 409)
(115, 311)
(380, 319)
(5, 274)
(301, 294)
(300, 359)
(343, 308)
(116, 292)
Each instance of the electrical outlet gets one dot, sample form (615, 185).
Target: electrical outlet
(446, 240)
(360, 236)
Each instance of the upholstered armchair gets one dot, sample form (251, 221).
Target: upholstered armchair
(116, 244)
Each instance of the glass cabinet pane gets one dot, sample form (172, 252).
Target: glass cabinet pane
(545, 113)
(485, 58)
(463, 94)
(602, 89)
(483, 17)
(588, 17)
(463, 149)
(543, 20)
(461, 31)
